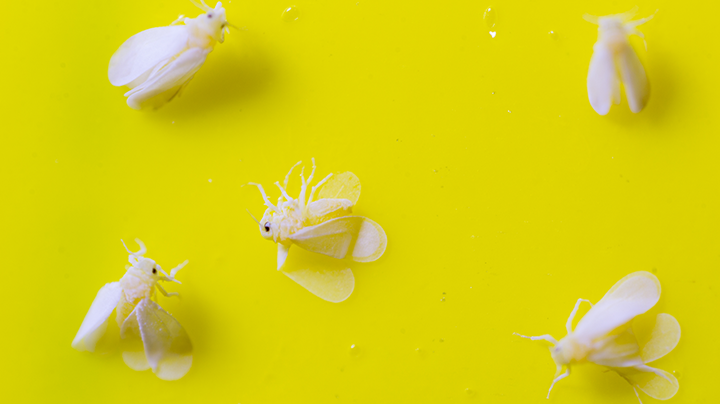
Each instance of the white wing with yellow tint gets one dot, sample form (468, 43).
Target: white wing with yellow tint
(629, 297)
(660, 386)
(95, 323)
(167, 346)
(663, 338)
(635, 81)
(333, 285)
(341, 186)
(355, 237)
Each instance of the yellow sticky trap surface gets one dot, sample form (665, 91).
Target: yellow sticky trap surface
(504, 197)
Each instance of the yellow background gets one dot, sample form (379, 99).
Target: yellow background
(498, 186)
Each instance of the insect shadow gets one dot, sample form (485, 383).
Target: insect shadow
(232, 76)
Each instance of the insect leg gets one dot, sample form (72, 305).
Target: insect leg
(265, 198)
(636, 394)
(573, 312)
(287, 177)
(165, 293)
(284, 193)
(179, 19)
(646, 368)
(557, 379)
(177, 268)
(546, 337)
(319, 184)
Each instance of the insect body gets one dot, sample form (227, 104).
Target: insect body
(605, 336)
(159, 340)
(614, 60)
(324, 226)
(158, 63)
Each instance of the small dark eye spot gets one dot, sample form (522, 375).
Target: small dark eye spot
(267, 226)
(154, 270)
(209, 15)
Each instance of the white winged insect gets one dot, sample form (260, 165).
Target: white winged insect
(158, 63)
(325, 226)
(605, 336)
(613, 61)
(155, 340)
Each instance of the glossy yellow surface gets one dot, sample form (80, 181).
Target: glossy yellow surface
(504, 196)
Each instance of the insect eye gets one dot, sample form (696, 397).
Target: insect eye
(267, 226)
(154, 270)
(209, 15)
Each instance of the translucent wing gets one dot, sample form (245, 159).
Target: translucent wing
(167, 346)
(660, 386)
(602, 81)
(635, 81)
(133, 350)
(144, 51)
(325, 209)
(95, 323)
(619, 349)
(629, 297)
(359, 237)
(163, 85)
(341, 186)
(662, 337)
(333, 285)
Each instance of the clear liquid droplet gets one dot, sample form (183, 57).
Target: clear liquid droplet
(469, 392)
(490, 17)
(291, 14)
(553, 34)
(355, 351)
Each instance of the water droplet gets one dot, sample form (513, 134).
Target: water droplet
(553, 34)
(291, 14)
(490, 16)
(210, 180)
(442, 340)
(469, 392)
(493, 93)
(678, 374)
(442, 299)
(355, 351)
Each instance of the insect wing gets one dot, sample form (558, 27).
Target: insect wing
(635, 81)
(163, 85)
(654, 385)
(133, 351)
(140, 54)
(619, 349)
(362, 238)
(325, 209)
(603, 85)
(95, 323)
(341, 186)
(333, 285)
(629, 297)
(167, 344)
(662, 339)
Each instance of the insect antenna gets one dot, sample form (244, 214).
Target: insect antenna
(253, 217)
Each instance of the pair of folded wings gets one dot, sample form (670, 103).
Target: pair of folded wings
(630, 297)
(155, 339)
(355, 237)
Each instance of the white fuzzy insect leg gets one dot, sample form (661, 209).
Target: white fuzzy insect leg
(177, 268)
(637, 395)
(283, 192)
(646, 368)
(315, 188)
(265, 197)
(573, 313)
(179, 20)
(546, 337)
(164, 292)
(287, 177)
(557, 379)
